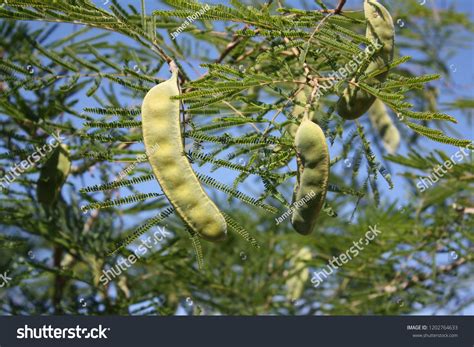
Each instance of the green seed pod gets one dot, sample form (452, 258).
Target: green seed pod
(431, 96)
(313, 168)
(298, 111)
(382, 122)
(355, 101)
(161, 130)
(298, 267)
(53, 175)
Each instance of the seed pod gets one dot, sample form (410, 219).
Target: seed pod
(298, 267)
(161, 130)
(313, 175)
(298, 111)
(382, 122)
(431, 96)
(355, 101)
(53, 175)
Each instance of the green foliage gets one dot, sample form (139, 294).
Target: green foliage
(254, 59)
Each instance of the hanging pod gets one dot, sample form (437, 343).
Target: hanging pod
(53, 175)
(164, 146)
(299, 109)
(313, 176)
(299, 267)
(355, 102)
(383, 124)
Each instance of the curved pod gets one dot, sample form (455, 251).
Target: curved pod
(53, 175)
(311, 187)
(355, 101)
(299, 267)
(161, 130)
(382, 122)
(299, 110)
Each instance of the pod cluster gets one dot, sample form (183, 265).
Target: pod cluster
(355, 102)
(310, 143)
(161, 129)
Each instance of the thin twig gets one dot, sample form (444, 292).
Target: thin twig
(339, 7)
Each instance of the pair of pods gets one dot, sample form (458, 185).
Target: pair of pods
(310, 142)
(312, 156)
(161, 129)
(355, 102)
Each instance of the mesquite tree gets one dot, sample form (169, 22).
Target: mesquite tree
(86, 228)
